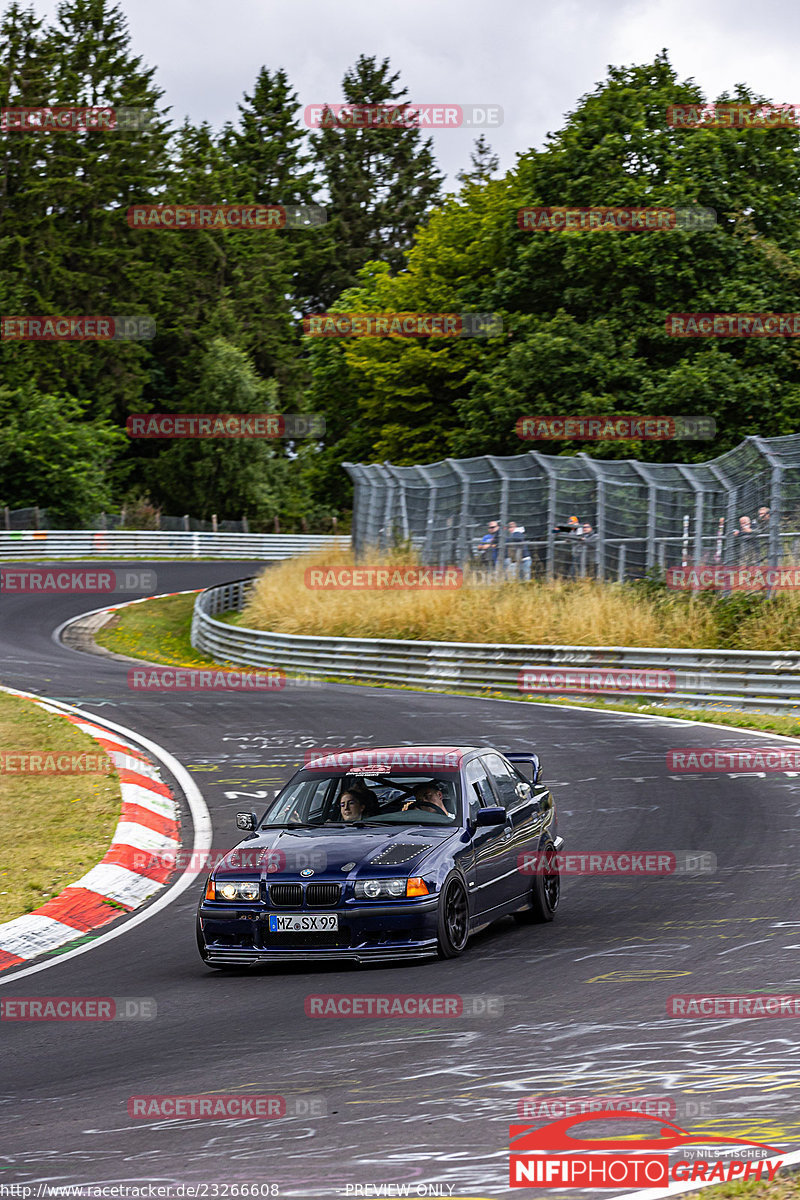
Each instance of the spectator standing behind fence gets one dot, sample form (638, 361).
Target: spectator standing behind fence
(589, 539)
(565, 549)
(763, 523)
(576, 549)
(518, 556)
(488, 545)
(744, 541)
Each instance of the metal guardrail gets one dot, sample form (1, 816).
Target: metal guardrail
(83, 543)
(760, 680)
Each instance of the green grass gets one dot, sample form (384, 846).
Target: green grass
(53, 828)
(158, 630)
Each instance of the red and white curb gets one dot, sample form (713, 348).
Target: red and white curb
(148, 822)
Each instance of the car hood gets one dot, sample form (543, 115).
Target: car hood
(284, 853)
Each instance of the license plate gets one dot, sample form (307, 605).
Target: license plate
(302, 923)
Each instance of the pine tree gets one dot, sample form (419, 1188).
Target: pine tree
(380, 183)
(484, 163)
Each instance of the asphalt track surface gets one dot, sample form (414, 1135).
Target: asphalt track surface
(412, 1101)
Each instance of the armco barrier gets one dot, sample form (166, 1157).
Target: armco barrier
(87, 543)
(762, 680)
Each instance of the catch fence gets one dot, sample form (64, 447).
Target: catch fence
(576, 515)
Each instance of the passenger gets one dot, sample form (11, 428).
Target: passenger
(352, 806)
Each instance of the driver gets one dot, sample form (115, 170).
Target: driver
(429, 797)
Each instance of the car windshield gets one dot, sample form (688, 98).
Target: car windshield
(315, 798)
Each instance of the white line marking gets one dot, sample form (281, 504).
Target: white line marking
(201, 819)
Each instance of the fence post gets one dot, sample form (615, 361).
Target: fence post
(730, 516)
(552, 499)
(186, 522)
(464, 553)
(277, 525)
(245, 525)
(7, 513)
(388, 504)
(687, 474)
(641, 471)
(774, 501)
(503, 518)
(401, 488)
(36, 516)
(600, 482)
(430, 518)
(213, 522)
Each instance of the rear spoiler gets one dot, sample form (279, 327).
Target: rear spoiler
(531, 758)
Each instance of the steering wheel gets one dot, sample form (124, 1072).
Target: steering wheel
(427, 804)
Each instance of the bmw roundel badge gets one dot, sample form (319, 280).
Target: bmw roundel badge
(306, 872)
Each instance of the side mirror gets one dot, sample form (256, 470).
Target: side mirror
(523, 791)
(246, 821)
(491, 816)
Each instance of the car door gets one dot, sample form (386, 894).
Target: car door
(528, 810)
(489, 842)
(517, 797)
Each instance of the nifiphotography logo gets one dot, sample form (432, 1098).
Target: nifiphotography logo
(552, 1156)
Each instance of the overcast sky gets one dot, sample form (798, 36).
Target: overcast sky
(533, 59)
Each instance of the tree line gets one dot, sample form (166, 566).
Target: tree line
(583, 315)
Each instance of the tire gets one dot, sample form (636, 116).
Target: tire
(544, 896)
(453, 918)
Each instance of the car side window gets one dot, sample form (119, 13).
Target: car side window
(480, 794)
(505, 780)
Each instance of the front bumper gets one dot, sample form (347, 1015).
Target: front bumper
(230, 934)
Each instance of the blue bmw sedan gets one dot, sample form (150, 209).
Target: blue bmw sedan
(380, 854)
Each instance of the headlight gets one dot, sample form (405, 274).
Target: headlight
(238, 889)
(380, 889)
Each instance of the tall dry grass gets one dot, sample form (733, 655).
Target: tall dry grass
(580, 612)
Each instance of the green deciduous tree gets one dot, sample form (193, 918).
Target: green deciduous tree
(51, 453)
